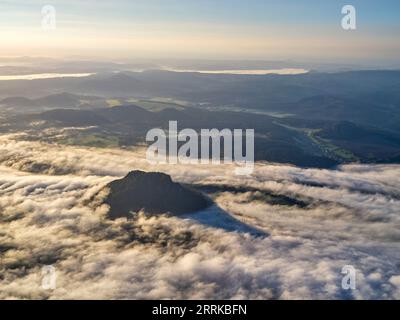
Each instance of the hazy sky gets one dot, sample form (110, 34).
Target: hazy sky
(231, 29)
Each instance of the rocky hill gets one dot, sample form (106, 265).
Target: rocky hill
(152, 192)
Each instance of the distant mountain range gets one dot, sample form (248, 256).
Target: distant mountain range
(307, 143)
(367, 97)
(310, 120)
(60, 100)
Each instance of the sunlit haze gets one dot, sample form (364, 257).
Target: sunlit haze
(209, 29)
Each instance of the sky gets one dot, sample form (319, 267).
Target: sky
(211, 29)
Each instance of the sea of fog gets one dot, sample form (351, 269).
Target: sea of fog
(43, 76)
(51, 214)
(37, 76)
(283, 71)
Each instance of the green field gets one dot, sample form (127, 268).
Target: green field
(91, 140)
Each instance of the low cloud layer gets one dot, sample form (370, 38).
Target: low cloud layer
(50, 214)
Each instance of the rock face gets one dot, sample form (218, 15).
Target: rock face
(152, 192)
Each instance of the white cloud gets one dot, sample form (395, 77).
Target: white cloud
(48, 217)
